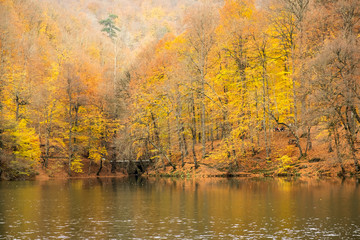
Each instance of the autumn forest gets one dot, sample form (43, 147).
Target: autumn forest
(233, 85)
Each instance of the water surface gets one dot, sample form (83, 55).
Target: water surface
(180, 209)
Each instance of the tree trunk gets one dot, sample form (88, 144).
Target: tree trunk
(17, 103)
(156, 129)
(212, 137)
(338, 153)
(179, 127)
(193, 130)
(294, 86)
(100, 167)
(70, 150)
(193, 149)
(115, 64)
(257, 114)
(147, 147)
(186, 151)
(264, 114)
(352, 136)
(308, 142)
(47, 136)
(203, 130)
(89, 170)
(113, 163)
(181, 148)
(169, 136)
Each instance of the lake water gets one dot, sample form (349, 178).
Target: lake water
(180, 209)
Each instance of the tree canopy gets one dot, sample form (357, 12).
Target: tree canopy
(234, 84)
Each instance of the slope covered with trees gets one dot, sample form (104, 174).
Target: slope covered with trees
(201, 82)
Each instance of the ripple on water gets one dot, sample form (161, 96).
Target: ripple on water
(173, 216)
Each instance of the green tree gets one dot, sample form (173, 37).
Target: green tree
(109, 26)
(111, 29)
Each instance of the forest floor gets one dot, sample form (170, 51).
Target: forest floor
(58, 169)
(319, 162)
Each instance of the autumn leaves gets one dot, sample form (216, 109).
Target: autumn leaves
(239, 71)
(215, 86)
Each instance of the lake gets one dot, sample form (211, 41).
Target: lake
(139, 208)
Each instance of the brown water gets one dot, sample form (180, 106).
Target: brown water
(180, 209)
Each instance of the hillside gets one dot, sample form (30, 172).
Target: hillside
(239, 86)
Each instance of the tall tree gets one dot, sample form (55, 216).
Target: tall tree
(111, 30)
(202, 21)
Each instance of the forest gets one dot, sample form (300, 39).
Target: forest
(234, 85)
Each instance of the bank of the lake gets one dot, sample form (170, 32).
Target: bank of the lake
(302, 168)
(284, 161)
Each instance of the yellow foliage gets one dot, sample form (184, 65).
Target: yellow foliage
(96, 153)
(156, 13)
(285, 164)
(221, 154)
(76, 165)
(27, 142)
(94, 51)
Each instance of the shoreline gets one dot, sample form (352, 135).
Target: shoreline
(189, 172)
(313, 167)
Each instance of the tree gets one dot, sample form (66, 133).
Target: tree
(202, 22)
(111, 29)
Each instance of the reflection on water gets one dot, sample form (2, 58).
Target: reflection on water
(180, 209)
